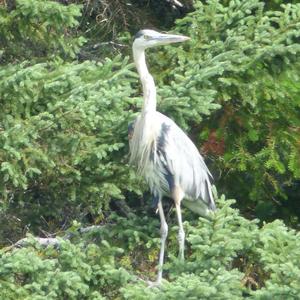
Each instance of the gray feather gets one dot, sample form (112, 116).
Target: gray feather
(165, 156)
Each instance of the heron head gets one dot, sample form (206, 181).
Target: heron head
(150, 38)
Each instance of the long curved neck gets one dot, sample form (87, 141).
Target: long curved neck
(149, 89)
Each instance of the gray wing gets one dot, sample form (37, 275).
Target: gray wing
(184, 162)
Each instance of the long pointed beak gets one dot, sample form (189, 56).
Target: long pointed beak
(165, 39)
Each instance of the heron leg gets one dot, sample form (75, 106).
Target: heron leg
(178, 196)
(164, 234)
(181, 234)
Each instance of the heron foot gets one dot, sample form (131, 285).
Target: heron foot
(154, 284)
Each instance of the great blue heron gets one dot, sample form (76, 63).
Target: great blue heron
(163, 153)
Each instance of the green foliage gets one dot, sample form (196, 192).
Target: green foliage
(231, 257)
(63, 125)
(216, 284)
(279, 255)
(242, 58)
(63, 135)
(227, 257)
(63, 153)
(38, 28)
(70, 271)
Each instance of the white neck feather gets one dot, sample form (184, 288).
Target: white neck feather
(149, 89)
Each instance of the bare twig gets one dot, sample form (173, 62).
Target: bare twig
(55, 241)
(45, 242)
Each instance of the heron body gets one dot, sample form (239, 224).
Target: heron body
(163, 153)
(171, 160)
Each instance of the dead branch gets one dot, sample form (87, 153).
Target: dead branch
(55, 241)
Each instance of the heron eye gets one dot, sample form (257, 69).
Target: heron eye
(146, 37)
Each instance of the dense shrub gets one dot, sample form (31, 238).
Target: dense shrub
(61, 131)
(242, 58)
(38, 29)
(63, 153)
(63, 127)
(228, 257)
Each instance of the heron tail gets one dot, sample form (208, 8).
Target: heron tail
(204, 205)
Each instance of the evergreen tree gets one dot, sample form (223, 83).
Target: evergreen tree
(63, 147)
(228, 257)
(63, 135)
(242, 59)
